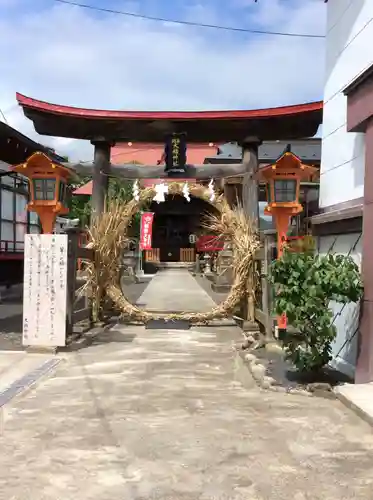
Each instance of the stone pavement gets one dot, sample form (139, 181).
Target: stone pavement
(358, 397)
(19, 372)
(160, 414)
(175, 290)
(15, 365)
(173, 415)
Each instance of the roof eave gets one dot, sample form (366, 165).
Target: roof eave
(62, 110)
(358, 81)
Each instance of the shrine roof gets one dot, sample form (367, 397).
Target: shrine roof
(151, 153)
(148, 154)
(85, 189)
(16, 147)
(284, 122)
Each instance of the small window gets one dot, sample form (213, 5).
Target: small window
(268, 192)
(44, 189)
(50, 188)
(285, 190)
(39, 189)
(62, 192)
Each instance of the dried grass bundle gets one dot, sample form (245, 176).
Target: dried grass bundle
(109, 236)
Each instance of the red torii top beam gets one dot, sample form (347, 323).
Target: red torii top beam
(286, 122)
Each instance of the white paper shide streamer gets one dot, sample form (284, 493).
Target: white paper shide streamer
(136, 191)
(211, 190)
(186, 192)
(161, 190)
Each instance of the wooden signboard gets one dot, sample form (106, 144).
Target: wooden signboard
(45, 290)
(175, 154)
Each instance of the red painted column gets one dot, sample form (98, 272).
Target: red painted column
(282, 219)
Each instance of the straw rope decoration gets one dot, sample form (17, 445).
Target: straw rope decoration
(108, 238)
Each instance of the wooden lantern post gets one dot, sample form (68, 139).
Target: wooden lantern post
(283, 183)
(48, 188)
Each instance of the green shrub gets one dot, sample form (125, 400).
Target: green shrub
(304, 286)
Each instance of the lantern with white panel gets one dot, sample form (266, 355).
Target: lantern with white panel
(45, 257)
(48, 188)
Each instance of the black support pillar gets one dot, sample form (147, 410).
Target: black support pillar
(250, 203)
(100, 179)
(250, 184)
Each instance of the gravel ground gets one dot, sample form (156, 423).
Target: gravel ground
(287, 376)
(11, 325)
(11, 316)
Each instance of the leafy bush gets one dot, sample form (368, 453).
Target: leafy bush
(304, 286)
(80, 205)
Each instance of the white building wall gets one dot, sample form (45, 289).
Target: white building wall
(346, 318)
(349, 52)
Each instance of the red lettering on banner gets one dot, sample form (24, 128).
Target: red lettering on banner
(146, 230)
(208, 243)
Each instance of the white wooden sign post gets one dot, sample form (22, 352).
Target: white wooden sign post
(45, 290)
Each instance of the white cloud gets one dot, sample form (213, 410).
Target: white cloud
(74, 56)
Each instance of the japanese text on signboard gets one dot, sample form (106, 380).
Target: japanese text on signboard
(175, 153)
(44, 298)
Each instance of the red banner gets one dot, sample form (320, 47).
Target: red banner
(146, 230)
(209, 243)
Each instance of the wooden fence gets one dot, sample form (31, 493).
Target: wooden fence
(79, 310)
(263, 303)
(187, 255)
(152, 255)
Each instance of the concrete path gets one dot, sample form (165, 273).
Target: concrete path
(15, 365)
(163, 415)
(175, 290)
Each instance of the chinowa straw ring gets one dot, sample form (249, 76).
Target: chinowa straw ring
(109, 236)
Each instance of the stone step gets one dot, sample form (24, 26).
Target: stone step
(175, 265)
(175, 289)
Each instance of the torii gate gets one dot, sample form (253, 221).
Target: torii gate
(104, 128)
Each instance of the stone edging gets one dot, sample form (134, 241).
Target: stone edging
(254, 340)
(87, 338)
(259, 374)
(27, 381)
(353, 407)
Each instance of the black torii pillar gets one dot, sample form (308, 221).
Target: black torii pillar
(223, 281)
(250, 184)
(250, 202)
(100, 179)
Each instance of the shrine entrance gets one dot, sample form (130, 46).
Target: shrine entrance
(187, 178)
(175, 221)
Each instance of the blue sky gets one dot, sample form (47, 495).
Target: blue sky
(73, 56)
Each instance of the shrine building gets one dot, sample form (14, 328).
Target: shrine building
(176, 219)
